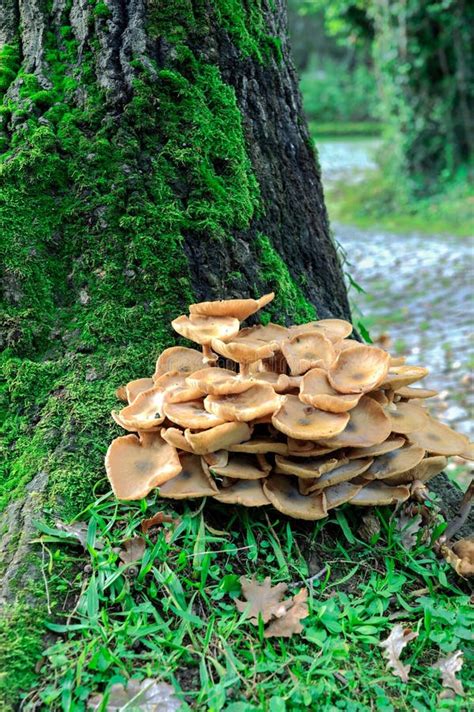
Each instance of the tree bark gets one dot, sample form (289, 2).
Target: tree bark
(151, 154)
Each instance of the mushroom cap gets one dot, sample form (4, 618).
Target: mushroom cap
(191, 482)
(217, 438)
(307, 448)
(260, 447)
(306, 468)
(395, 462)
(178, 358)
(191, 415)
(145, 413)
(244, 351)
(285, 497)
(468, 452)
(401, 376)
(406, 417)
(267, 333)
(175, 437)
(134, 388)
(240, 466)
(121, 393)
(219, 458)
(219, 381)
(135, 465)
(464, 550)
(255, 402)
(308, 350)
(368, 425)
(334, 329)
(375, 450)
(176, 389)
(248, 493)
(428, 468)
(344, 344)
(408, 393)
(202, 329)
(359, 369)
(397, 360)
(341, 493)
(381, 397)
(344, 472)
(240, 309)
(303, 422)
(438, 439)
(316, 390)
(377, 493)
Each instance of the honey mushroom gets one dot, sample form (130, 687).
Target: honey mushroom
(304, 419)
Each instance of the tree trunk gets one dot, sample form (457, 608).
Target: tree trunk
(153, 153)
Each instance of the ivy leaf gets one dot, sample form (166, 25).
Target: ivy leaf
(290, 622)
(261, 599)
(448, 668)
(133, 550)
(138, 696)
(393, 646)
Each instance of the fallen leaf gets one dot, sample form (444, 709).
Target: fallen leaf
(78, 530)
(460, 557)
(155, 520)
(289, 623)
(132, 550)
(448, 668)
(393, 646)
(261, 599)
(138, 696)
(409, 526)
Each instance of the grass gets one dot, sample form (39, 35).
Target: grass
(172, 615)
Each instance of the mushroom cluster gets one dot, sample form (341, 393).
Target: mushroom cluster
(301, 417)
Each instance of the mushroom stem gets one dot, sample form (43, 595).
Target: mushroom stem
(466, 503)
(208, 355)
(244, 369)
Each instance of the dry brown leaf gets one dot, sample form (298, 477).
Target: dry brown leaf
(155, 520)
(448, 668)
(78, 530)
(261, 598)
(290, 622)
(370, 525)
(409, 526)
(393, 646)
(132, 550)
(143, 695)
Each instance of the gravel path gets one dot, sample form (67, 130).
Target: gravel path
(420, 296)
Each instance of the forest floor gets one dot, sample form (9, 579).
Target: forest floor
(166, 608)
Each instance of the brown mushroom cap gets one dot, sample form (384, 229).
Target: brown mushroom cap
(368, 425)
(406, 417)
(218, 381)
(408, 393)
(240, 309)
(303, 422)
(464, 550)
(307, 448)
(145, 413)
(267, 333)
(438, 439)
(428, 468)
(376, 450)
(256, 402)
(359, 369)
(377, 493)
(341, 493)
(395, 462)
(191, 482)
(334, 329)
(401, 376)
(241, 466)
(306, 468)
(248, 493)
(218, 438)
(260, 447)
(175, 437)
(468, 452)
(397, 360)
(134, 388)
(308, 350)
(244, 351)
(202, 329)
(382, 397)
(191, 415)
(284, 496)
(343, 473)
(136, 465)
(176, 389)
(178, 358)
(316, 390)
(219, 458)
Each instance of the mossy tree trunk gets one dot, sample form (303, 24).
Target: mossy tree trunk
(152, 153)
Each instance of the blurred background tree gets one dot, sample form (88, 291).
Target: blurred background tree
(404, 68)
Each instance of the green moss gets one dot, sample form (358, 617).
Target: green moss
(290, 303)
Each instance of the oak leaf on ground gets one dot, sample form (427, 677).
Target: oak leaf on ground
(448, 668)
(261, 599)
(290, 622)
(393, 646)
(132, 550)
(139, 695)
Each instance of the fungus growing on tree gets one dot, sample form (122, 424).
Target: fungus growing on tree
(301, 418)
